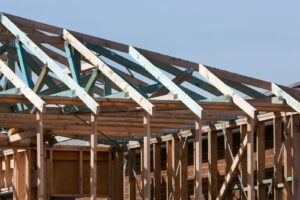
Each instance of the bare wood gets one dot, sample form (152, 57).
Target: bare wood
(28, 163)
(175, 169)
(157, 171)
(277, 140)
(184, 169)
(131, 170)
(228, 159)
(212, 166)
(169, 170)
(81, 172)
(93, 158)
(40, 155)
(233, 167)
(295, 156)
(287, 160)
(147, 166)
(243, 164)
(260, 156)
(250, 163)
(198, 160)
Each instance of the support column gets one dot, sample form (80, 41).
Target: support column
(93, 158)
(198, 160)
(277, 140)
(146, 163)
(287, 160)
(212, 165)
(184, 169)
(132, 180)
(250, 162)
(169, 169)
(175, 169)
(28, 162)
(228, 159)
(243, 165)
(157, 171)
(296, 157)
(260, 157)
(40, 155)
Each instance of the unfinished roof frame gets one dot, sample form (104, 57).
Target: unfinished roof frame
(47, 62)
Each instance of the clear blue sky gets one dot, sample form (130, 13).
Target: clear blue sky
(255, 38)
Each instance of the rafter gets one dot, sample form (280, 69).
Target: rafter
(108, 72)
(61, 74)
(24, 89)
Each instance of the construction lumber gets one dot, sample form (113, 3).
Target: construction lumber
(93, 158)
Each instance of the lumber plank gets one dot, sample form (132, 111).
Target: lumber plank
(93, 158)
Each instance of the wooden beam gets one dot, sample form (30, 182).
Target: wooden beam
(108, 72)
(24, 89)
(228, 144)
(277, 141)
(243, 163)
(146, 163)
(250, 162)
(40, 155)
(198, 160)
(287, 159)
(260, 157)
(295, 156)
(290, 100)
(54, 67)
(28, 165)
(93, 158)
(212, 165)
(131, 172)
(157, 171)
(220, 85)
(183, 186)
(163, 79)
(235, 163)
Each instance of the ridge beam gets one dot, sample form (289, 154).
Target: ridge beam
(53, 66)
(24, 89)
(108, 72)
(290, 100)
(226, 90)
(166, 82)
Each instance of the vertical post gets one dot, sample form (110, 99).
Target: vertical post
(40, 155)
(1, 173)
(287, 160)
(93, 158)
(277, 140)
(184, 168)
(260, 157)
(50, 172)
(243, 165)
(212, 166)
(15, 175)
(169, 169)
(146, 146)
(295, 157)
(228, 159)
(28, 174)
(175, 169)
(8, 172)
(81, 172)
(157, 171)
(132, 180)
(250, 162)
(198, 159)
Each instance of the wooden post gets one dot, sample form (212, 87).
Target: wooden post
(184, 169)
(260, 157)
(157, 171)
(175, 169)
(146, 164)
(28, 174)
(8, 172)
(277, 140)
(40, 155)
(243, 165)
(198, 160)
(287, 161)
(250, 162)
(1, 173)
(169, 169)
(212, 166)
(132, 180)
(228, 159)
(93, 158)
(15, 175)
(295, 155)
(81, 172)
